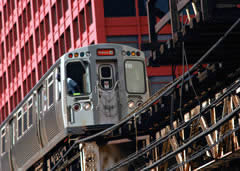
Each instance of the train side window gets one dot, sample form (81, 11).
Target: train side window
(3, 138)
(50, 91)
(12, 132)
(40, 102)
(25, 117)
(58, 84)
(19, 122)
(30, 113)
(106, 76)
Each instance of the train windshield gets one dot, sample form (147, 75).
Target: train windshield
(78, 78)
(135, 76)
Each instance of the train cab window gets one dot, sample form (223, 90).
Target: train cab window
(3, 138)
(30, 113)
(19, 121)
(50, 91)
(135, 76)
(78, 78)
(106, 76)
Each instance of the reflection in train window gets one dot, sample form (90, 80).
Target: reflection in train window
(12, 132)
(30, 113)
(3, 137)
(58, 84)
(135, 76)
(50, 91)
(78, 78)
(25, 121)
(19, 123)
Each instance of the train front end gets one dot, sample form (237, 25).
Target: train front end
(102, 84)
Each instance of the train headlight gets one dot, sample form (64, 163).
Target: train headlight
(87, 106)
(131, 104)
(76, 106)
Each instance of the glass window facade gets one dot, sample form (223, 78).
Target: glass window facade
(119, 8)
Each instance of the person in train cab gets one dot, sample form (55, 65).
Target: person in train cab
(72, 86)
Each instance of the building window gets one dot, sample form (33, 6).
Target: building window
(13, 69)
(29, 83)
(27, 51)
(37, 37)
(24, 87)
(59, 9)
(15, 99)
(1, 85)
(29, 14)
(115, 8)
(39, 70)
(2, 49)
(22, 56)
(47, 24)
(54, 15)
(15, 33)
(20, 24)
(7, 43)
(39, 3)
(1, 21)
(33, 77)
(42, 31)
(24, 19)
(5, 80)
(65, 5)
(19, 95)
(34, 6)
(5, 13)
(68, 39)
(11, 38)
(75, 29)
(62, 45)
(49, 57)
(89, 13)
(56, 50)
(82, 21)
(44, 62)
(11, 103)
(31, 46)
(9, 75)
(17, 63)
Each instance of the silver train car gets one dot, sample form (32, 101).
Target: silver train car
(89, 88)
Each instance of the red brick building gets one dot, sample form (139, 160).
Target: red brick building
(35, 33)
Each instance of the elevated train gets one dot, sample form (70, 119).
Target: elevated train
(89, 88)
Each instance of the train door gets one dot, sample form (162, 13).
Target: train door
(108, 92)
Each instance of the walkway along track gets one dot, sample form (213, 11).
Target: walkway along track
(144, 108)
